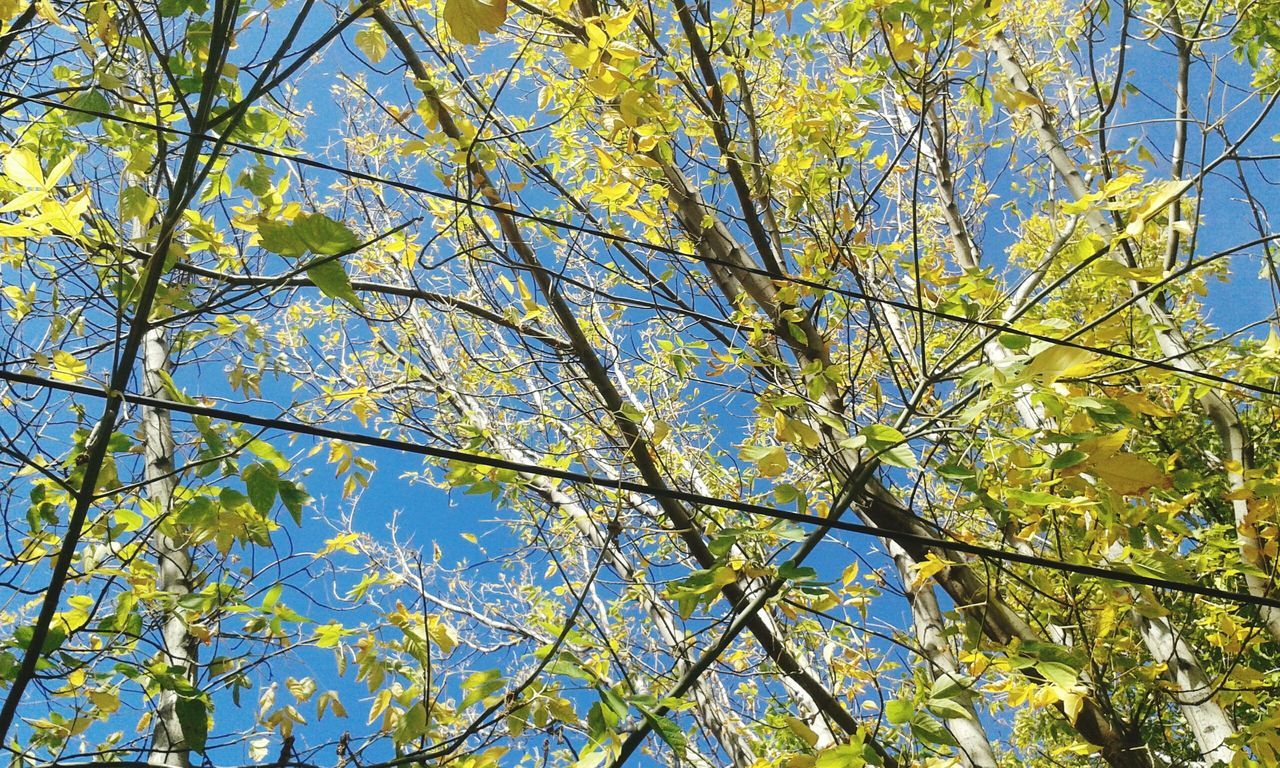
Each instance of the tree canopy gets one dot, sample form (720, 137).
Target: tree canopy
(576, 383)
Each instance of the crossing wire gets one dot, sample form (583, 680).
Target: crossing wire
(449, 454)
(667, 250)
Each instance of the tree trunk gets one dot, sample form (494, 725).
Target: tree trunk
(1219, 411)
(1191, 691)
(173, 561)
(971, 738)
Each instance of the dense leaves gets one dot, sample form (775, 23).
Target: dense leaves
(998, 274)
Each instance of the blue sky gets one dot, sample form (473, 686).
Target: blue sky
(431, 516)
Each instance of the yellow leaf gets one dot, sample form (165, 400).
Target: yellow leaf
(723, 575)
(1072, 703)
(340, 543)
(67, 368)
(468, 18)
(1271, 347)
(1163, 194)
(373, 43)
(595, 35)
(23, 167)
(1058, 361)
(801, 729)
(47, 12)
(1100, 448)
(444, 636)
(798, 433)
(25, 200)
(580, 55)
(59, 170)
(773, 462)
(105, 701)
(932, 566)
(1126, 473)
(1139, 403)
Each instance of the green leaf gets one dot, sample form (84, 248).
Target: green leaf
(91, 100)
(931, 731)
(280, 237)
(261, 481)
(899, 711)
(324, 236)
(272, 597)
(307, 233)
(294, 499)
(667, 730)
(1057, 673)
(200, 511)
(614, 702)
(792, 572)
(372, 42)
(333, 282)
(53, 639)
(569, 666)
(841, 756)
(1067, 459)
(414, 723)
(949, 686)
(947, 709)
(267, 452)
(193, 716)
(889, 445)
(479, 685)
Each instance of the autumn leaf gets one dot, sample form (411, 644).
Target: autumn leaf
(1058, 361)
(801, 729)
(1128, 474)
(1125, 473)
(372, 42)
(468, 18)
(67, 367)
(23, 167)
(770, 460)
(1162, 195)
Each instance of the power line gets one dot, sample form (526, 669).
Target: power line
(449, 454)
(623, 239)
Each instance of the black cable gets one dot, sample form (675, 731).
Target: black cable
(623, 239)
(690, 497)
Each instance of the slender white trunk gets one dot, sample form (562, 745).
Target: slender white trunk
(1220, 412)
(1192, 692)
(972, 742)
(722, 724)
(173, 561)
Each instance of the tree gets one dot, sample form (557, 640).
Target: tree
(842, 377)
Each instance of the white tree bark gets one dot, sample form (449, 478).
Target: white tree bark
(972, 742)
(1220, 412)
(723, 725)
(1194, 695)
(173, 560)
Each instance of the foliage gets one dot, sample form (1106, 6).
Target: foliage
(737, 341)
